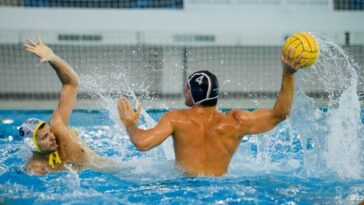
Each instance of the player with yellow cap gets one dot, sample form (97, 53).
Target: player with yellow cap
(29, 130)
(55, 145)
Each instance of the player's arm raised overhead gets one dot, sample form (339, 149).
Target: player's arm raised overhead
(263, 120)
(65, 73)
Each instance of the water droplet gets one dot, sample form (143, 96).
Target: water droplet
(7, 121)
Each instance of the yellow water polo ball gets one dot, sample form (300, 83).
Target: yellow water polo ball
(306, 46)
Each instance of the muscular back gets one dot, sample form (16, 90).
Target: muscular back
(205, 140)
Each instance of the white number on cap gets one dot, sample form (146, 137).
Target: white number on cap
(199, 79)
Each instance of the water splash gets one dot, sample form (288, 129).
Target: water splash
(319, 143)
(108, 87)
(334, 137)
(344, 140)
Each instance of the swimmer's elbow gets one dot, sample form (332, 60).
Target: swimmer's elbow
(144, 140)
(281, 113)
(141, 146)
(75, 81)
(70, 81)
(282, 116)
(141, 149)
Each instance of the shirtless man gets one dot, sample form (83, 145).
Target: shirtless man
(55, 145)
(205, 139)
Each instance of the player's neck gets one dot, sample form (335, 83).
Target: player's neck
(39, 156)
(205, 108)
(42, 154)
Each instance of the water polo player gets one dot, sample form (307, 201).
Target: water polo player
(204, 138)
(55, 145)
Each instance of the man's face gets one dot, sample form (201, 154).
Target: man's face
(188, 95)
(46, 140)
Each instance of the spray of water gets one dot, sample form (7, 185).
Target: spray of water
(320, 144)
(108, 87)
(338, 136)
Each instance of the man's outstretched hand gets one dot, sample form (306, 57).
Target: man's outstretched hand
(39, 49)
(126, 112)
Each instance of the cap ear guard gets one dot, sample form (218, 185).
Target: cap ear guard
(28, 131)
(29, 143)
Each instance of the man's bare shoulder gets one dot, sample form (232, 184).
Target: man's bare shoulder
(36, 166)
(61, 130)
(238, 114)
(174, 114)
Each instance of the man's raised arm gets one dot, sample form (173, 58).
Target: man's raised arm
(144, 139)
(65, 73)
(263, 120)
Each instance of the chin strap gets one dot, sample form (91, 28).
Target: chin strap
(54, 159)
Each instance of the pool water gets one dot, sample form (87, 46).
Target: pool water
(267, 169)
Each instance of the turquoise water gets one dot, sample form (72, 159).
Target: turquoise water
(264, 171)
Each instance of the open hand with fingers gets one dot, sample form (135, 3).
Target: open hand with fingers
(39, 49)
(289, 63)
(126, 112)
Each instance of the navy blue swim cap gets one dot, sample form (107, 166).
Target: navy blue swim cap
(204, 86)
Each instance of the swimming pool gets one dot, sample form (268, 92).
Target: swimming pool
(272, 168)
(314, 157)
